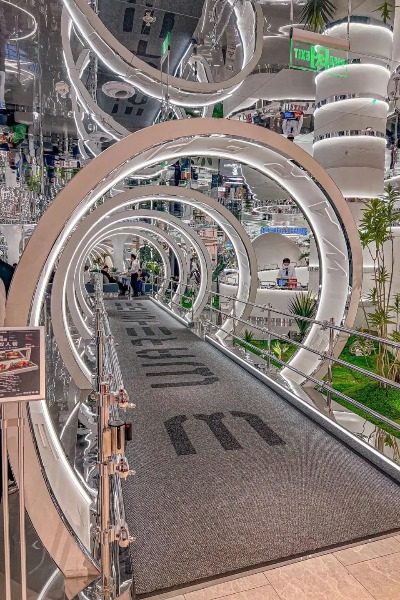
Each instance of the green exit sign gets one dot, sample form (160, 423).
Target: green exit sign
(165, 46)
(313, 57)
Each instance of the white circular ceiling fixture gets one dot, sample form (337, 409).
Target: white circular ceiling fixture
(120, 90)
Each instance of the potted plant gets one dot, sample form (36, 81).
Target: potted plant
(303, 305)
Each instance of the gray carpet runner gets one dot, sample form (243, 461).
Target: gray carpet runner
(228, 475)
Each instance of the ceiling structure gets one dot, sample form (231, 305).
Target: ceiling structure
(141, 26)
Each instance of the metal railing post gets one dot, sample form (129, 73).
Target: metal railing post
(104, 491)
(112, 532)
(269, 335)
(6, 508)
(21, 489)
(330, 325)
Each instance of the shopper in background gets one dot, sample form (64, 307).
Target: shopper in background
(134, 271)
(287, 271)
(140, 283)
(107, 278)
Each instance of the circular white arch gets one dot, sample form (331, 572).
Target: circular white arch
(69, 256)
(77, 305)
(242, 245)
(100, 219)
(95, 227)
(308, 184)
(296, 171)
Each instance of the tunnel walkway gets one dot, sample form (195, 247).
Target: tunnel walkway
(228, 475)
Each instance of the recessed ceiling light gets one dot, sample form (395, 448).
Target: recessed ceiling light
(118, 89)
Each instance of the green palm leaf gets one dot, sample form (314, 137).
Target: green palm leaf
(316, 14)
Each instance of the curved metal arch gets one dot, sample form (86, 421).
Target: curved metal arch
(91, 230)
(75, 297)
(66, 265)
(146, 78)
(303, 178)
(102, 212)
(306, 181)
(244, 249)
(187, 232)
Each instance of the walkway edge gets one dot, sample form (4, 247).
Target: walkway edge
(171, 312)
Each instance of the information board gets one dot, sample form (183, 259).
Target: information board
(22, 364)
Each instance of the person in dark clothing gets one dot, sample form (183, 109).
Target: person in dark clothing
(177, 173)
(107, 277)
(134, 270)
(6, 274)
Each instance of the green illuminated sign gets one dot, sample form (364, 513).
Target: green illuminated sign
(313, 58)
(165, 46)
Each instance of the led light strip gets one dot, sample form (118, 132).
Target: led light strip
(372, 96)
(30, 15)
(349, 133)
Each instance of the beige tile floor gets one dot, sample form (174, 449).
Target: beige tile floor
(369, 571)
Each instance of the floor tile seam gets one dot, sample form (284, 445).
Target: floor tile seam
(359, 562)
(362, 584)
(349, 574)
(224, 595)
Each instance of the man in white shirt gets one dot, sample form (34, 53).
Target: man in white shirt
(134, 270)
(286, 271)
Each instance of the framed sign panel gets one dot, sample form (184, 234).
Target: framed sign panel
(22, 364)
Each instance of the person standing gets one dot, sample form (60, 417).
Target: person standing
(134, 270)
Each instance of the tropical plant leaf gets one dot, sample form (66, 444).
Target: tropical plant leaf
(248, 336)
(385, 10)
(303, 305)
(316, 14)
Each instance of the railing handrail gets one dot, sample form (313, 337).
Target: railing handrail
(323, 385)
(323, 355)
(323, 324)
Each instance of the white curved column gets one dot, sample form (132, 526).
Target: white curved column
(118, 252)
(351, 114)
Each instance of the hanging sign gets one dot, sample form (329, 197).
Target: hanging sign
(313, 57)
(165, 47)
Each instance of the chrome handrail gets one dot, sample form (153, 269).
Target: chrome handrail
(323, 324)
(112, 531)
(322, 385)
